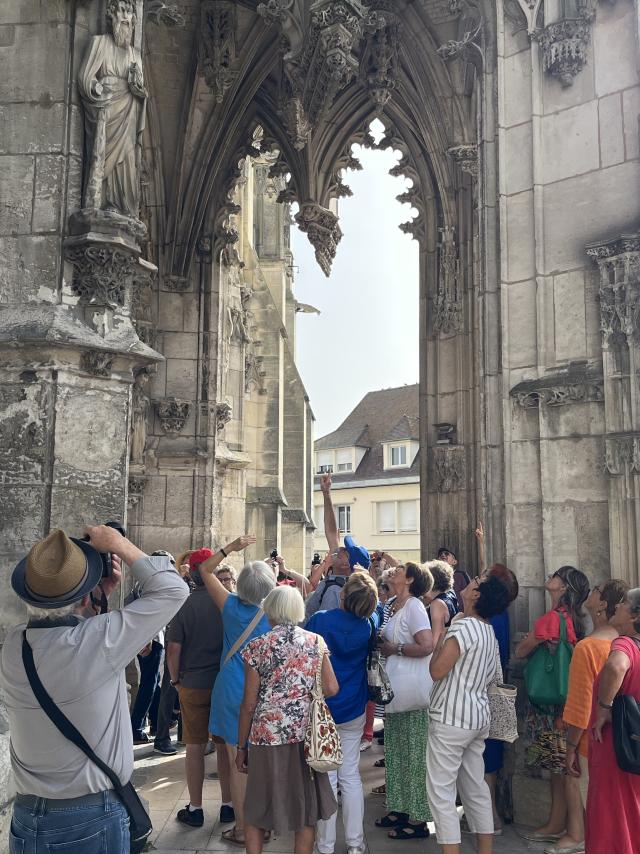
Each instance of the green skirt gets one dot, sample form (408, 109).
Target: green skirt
(405, 754)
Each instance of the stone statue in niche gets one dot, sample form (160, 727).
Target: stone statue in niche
(139, 411)
(113, 95)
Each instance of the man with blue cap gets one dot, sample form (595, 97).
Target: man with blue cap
(342, 560)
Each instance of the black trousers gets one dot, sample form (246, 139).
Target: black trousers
(168, 697)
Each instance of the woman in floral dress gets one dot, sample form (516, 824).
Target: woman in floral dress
(283, 793)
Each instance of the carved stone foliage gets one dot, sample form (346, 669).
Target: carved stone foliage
(102, 274)
(447, 468)
(448, 303)
(468, 46)
(136, 485)
(379, 62)
(466, 156)
(254, 374)
(160, 13)
(564, 47)
(323, 230)
(139, 411)
(622, 455)
(217, 46)
(173, 414)
(618, 261)
(576, 384)
(97, 362)
(224, 413)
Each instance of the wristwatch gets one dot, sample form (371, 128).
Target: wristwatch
(605, 705)
(173, 684)
(400, 649)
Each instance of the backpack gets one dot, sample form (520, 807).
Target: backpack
(332, 581)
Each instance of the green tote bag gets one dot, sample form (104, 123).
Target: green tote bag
(546, 675)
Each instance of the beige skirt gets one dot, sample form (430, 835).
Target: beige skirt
(283, 793)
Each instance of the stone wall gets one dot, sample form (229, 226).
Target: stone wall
(568, 156)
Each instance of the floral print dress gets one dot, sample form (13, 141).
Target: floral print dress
(286, 659)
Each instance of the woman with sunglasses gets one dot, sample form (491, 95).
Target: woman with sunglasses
(568, 589)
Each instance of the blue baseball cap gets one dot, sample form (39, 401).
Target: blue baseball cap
(357, 554)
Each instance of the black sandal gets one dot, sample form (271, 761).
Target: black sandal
(387, 821)
(409, 831)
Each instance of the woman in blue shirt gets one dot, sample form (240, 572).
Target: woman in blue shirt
(347, 632)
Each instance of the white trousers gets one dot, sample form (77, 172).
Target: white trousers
(454, 757)
(348, 776)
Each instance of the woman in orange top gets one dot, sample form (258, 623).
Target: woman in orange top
(588, 659)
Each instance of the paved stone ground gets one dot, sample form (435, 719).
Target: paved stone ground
(161, 781)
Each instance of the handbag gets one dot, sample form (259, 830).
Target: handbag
(502, 707)
(625, 718)
(410, 680)
(378, 684)
(546, 674)
(140, 826)
(322, 747)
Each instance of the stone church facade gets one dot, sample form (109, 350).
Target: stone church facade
(149, 153)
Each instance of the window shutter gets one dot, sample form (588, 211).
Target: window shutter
(386, 517)
(408, 515)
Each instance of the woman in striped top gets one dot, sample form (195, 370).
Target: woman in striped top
(464, 663)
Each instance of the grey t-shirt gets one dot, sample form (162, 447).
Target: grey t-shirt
(326, 595)
(197, 627)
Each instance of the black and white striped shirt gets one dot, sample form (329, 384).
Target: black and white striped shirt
(460, 699)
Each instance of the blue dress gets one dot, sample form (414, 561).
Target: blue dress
(229, 686)
(494, 750)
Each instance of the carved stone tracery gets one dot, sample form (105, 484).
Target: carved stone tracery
(564, 47)
(448, 302)
(618, 261)
(622, 455)
(173, 414)
(578, 383)
(466, 156)
(217, 46)
(103, 274)
(447, 468)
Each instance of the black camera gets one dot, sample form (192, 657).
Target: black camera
(107, 565)
(316, 559)
(274, 554)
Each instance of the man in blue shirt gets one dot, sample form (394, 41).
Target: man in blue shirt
(343, 558)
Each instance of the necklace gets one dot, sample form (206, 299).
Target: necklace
(398, 607)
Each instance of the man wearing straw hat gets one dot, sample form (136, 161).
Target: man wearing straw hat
(63, 798)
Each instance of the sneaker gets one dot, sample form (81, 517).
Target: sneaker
(192, 818)
(140, 738)
(165, 746)
(227, 814)
(210, 748)
(355, 849)
(365, 744)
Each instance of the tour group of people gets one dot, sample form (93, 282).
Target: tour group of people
(244, 654)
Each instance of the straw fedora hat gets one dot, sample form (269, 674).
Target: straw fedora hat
(58, 571)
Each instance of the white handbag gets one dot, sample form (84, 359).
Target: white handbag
(502, 705)
(410, 680)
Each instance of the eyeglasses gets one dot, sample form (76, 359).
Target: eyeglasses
(384, 588)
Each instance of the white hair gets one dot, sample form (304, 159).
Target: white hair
(225, 567)
(255, 581)
(34, 613)
(284, 606)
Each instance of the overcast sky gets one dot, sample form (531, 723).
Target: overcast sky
(366, 337)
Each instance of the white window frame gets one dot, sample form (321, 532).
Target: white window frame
(346, 510)
(399, 447)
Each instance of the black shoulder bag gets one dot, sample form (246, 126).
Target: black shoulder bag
(140, 826)
(625, 718)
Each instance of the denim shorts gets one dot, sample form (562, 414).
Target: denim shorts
(74, 829)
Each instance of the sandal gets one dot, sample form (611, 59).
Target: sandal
(409, 831)
(379, 790)
(230, 835)
(379, 763)
(388, 820)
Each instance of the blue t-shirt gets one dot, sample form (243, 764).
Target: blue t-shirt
(229, 686)
(347, 637)
(500, 624)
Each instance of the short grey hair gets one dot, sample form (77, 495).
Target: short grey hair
(284, 606)
(34, 613)
(255, 581)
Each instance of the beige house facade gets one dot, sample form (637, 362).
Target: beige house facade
(373, 458)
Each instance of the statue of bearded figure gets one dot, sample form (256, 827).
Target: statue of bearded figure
(113, 94)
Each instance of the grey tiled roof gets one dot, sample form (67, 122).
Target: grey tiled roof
(390, 414)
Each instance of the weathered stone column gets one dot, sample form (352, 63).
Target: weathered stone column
(618, 263)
